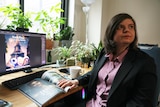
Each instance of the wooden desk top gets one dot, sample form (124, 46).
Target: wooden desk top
(14, 96)
(20, 100)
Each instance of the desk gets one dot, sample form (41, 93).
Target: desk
(20, 100)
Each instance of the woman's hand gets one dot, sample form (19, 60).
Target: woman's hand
(63, 83)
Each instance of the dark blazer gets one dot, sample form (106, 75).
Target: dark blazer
(134, 84)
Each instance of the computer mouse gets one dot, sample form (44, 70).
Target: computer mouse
(28, 70)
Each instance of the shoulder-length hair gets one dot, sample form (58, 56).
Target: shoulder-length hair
(109, 44)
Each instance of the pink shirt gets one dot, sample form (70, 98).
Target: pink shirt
(105, 78)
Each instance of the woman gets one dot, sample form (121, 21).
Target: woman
(123, 76)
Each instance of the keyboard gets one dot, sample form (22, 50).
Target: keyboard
(16, 82)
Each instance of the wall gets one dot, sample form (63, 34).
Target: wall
(145, 12)
(77, 19)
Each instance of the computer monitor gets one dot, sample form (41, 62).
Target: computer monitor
(21, 50)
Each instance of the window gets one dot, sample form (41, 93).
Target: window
(32, 6)
(3, 20)
(38, 5)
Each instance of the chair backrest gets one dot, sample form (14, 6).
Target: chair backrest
(147, 45)
(154, 52)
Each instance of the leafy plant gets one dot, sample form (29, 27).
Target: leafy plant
(81, 50)
(65, 34)
(17, 17)
(96, 50)
(50, 23)
(63, 52)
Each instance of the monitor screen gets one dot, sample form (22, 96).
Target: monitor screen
(21, 50)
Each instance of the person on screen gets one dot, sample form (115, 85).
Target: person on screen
(123, 75)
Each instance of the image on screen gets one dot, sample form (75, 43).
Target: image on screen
(17, 51)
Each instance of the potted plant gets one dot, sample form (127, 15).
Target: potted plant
(83, 52)
(19, 20)
(65, 55)
(79, 52)
(49, 23)
(65, 36)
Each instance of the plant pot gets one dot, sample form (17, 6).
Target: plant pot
(70, 62)
(49, 44)
(55, 43)
(60, 63)
(66, 43)
(85, 60)
(22, 29)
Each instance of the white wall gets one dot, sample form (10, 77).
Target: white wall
(77, 19)
(145, 12)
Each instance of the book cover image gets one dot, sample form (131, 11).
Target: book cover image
(40, 90)
(17, 51)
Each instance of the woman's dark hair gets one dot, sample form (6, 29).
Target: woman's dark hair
(109, 44)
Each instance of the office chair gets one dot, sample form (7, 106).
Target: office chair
(154, 51)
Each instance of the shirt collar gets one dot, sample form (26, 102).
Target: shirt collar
(118, 58)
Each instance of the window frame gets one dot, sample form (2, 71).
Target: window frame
(65, 7)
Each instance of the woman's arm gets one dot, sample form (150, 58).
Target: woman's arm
(144, 92)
